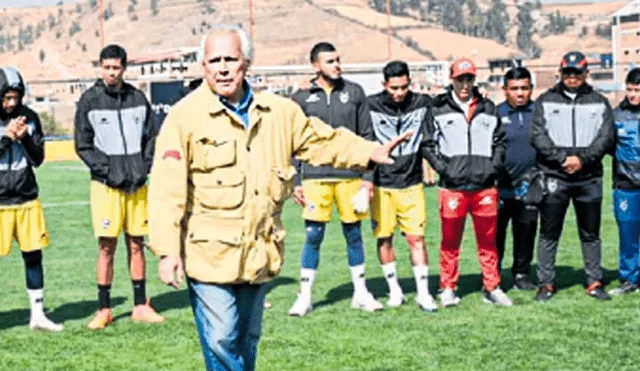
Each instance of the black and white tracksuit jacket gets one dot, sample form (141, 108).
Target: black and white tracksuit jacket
(115, 135)
(18, 158)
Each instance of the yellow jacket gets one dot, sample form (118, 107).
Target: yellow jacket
(217, 189)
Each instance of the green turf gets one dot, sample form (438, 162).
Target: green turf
(572, 332)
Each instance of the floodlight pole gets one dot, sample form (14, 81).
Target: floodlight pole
(101, 16)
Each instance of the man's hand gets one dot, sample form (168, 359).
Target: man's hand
(429, 174)
(11, 129)
(298, 196)
(171, 271)
(21, 127)
(368, 186)
(381, 154)
(572, 164)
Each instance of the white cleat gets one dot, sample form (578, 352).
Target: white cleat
(44, 324)
(301, 307)
(448, 298)
(497, 297)
(426, 303)
(366, 302)
(396, 300)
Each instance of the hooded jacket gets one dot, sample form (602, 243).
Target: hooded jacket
(626, 161)
(467, 152)
(18, 158)
(389, 120)
(115, 135)
(563, 127)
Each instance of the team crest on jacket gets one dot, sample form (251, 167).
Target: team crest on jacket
(312, 98)
(453, 204)
(624, 205)
(552, 185)
(344, 97)
(106, 223)
(506, 120)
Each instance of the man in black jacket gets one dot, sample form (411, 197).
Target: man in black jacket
(114, 136)
(21, 216)
(572, 129)
(398, 195)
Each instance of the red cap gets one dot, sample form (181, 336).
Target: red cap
(463, 66)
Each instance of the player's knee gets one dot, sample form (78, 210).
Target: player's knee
(314, 234)
(415, 242)
(32, 258)
(352, 233)
(384, 243)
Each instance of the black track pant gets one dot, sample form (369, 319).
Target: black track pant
(524, 222)
(587, 203)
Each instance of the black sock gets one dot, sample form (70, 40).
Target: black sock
(139, 292)
(104, 296)
(33, 269)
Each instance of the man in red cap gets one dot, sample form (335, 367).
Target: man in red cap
(465, 144)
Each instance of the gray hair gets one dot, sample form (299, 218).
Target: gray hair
(246, 44)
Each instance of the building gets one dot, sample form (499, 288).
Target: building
(625, 39)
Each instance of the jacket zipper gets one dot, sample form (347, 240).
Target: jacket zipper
(124, 140)
(573, 121)
(398, 128)
(328, 94)
(520, 118)
(10, 173)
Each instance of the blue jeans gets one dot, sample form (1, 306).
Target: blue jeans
(229, 321)
(626, 207)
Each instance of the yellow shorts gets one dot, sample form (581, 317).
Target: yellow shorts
(321, 194)
(404, 206)
(113, 210)
(24, 223)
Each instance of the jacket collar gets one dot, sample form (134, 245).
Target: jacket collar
(625, 105)
(216, 106)
(583, 90)
(447, 98)
(402, 106)
(113, 91)
(528, 108)
(339, 85)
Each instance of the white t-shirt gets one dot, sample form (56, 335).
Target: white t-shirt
(465, 106)
(571, 95)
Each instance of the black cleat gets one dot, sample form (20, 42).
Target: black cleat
(544, 294)
(626, 288)
(596, 291)
(522, 282)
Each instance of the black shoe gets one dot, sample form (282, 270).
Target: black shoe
(626, 288)
(522, 282)
(544, 294)
(596, 291)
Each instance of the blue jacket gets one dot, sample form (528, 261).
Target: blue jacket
(520, 156)
(626, 162)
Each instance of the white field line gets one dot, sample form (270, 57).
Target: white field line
(64, 204)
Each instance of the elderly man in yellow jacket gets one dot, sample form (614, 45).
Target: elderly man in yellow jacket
(222, 171)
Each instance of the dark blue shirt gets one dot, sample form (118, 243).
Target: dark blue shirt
(626, 162)
(520, 156)
(242, 108)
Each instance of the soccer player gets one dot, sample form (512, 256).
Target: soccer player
(398, 194)
(515, 114)
(571, 130)
(626, 183)
(339, 103)
(114, 136)
(21, 216)
(465, 145)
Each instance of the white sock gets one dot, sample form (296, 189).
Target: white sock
(389, 271)
(421, 274)
(36, 297)
(359, 283)
(307, 277)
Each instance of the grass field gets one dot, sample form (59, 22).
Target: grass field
(572, 332)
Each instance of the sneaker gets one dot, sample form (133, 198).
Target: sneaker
(448, 298)
(145, 313)
(396, 300)
(522, 282)
(544, 294)
(43, 323)
(101, 320)
(426, 303)
(301, 307)
(625, 288)
(596, 291)
(497, 297)
(366, 302)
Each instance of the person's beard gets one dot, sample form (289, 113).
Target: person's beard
(329, 78)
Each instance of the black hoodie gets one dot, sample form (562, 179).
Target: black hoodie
(115, 135)
(17, 159)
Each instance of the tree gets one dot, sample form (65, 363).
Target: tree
(93, 4)
(43, 55)
(524, 37)
(154, 7)
(78, 8)
(450, 16)
(74, 28)
(52, 21)
(497, 22)
(603, 31)
(108, 13)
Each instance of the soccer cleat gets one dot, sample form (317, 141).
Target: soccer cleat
(426, 303)
(145, 313)
(448, 298)
(544, 294)
(301, 307)
(365, 301)
(497, 297)
(102, 319)
(522, 282)
(596, 291)
(396, 300)
(42, 323)
(626, 288)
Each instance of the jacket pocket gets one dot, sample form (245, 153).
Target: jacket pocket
(281, 183)
(221, 189)
(215, 246)
(210, 153)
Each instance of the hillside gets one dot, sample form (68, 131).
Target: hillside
(60, 42)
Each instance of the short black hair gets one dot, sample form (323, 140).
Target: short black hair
(321, 47)
(633, 77)
(517, 73)
(395, 69)
(114, 51)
